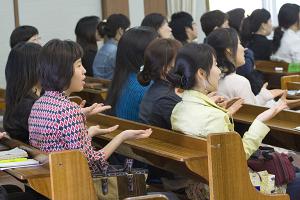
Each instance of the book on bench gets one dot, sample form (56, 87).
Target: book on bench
(15, 158)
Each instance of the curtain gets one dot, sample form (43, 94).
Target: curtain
(181, 5)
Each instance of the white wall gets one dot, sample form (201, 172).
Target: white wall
(53, 18)
(56, 18)
(7, 25)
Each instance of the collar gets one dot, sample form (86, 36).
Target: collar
(198, 97)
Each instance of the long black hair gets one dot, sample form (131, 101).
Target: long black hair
(287, 16)
(252, 23)
(130, 57)
(222, 39)
(85, 32)
(21, 73)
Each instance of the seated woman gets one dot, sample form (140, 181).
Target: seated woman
(230, 54)
(55, 123)
(159, 23)
(125, 93)
(198, 115)
(22, 89)
(286, 39)
(255, 30)
(87, 36)
(159, 101)
(112, 29)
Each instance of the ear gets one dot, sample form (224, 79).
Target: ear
(216, 27)
(228, 52)
(201, 73)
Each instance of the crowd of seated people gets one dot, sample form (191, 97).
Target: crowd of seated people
(159, 76)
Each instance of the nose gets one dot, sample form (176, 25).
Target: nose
(83, 70)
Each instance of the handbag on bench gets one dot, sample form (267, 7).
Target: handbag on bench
(279, 164)
(119, 182)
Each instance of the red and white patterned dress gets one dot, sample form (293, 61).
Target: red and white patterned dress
(56, 124)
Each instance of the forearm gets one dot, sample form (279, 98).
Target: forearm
(113, 145)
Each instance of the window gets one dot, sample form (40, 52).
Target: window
(227, 5)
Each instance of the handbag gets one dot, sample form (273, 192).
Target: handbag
(279, 164)
(119, 182)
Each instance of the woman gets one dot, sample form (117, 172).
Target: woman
(113, 29)
(196, 67)
(286, 39)
(230, 54)
(55, 123)
(159, 23)
(21, 94)
(125, 93)
(159, 101)
(24, 34)
(87, 36)
(255, 30)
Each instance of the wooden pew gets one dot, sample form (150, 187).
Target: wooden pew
(194, 157)
(95, 90)
(271, 75)
(282, 126)
(287, 82)
(226, 180)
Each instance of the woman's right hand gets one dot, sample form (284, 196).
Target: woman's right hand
(135, 134)
(271, 112)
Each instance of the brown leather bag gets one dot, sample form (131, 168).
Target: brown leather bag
(119, 182)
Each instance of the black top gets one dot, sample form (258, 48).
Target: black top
(261, 46)
(158, 103)
(16, 124)
(87, 61)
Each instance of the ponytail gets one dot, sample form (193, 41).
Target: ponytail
(278, 33)
(246, 33)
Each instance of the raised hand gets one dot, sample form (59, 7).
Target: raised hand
(271, 112)
(93, 109)
(97, 130)
(235, 106)
(275, 92)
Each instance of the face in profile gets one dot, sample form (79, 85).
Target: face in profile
(165, 31)
(240, 55)
(214, 77)
(268, 27)
(77, 81)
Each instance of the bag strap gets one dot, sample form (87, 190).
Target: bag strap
(128, 165)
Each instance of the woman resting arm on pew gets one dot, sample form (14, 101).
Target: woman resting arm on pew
(55, 123)
(230, 54)
(22, 88)
(198, 115)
